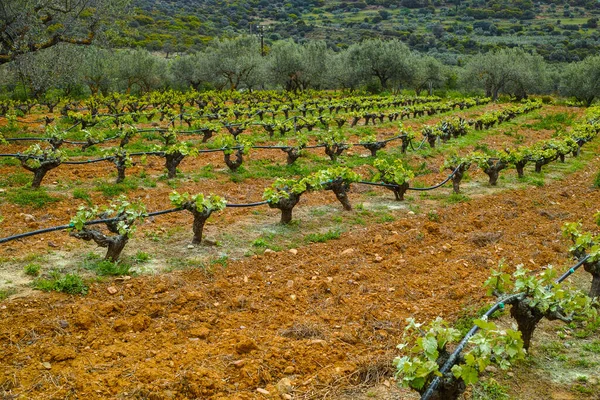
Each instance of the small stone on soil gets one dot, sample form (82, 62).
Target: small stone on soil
(112, 290)
(284, 386)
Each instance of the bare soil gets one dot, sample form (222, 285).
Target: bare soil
(313, 321)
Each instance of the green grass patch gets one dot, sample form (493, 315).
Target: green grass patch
(6, 293)
(490, 390)
(15, 179)
(554, 121)
(115, 189)
(102, 267)
(533, 179)
(597, 181)
(9, 161)
(67, 283)
(206, 172)
(322, 237)
(593, 347)
(36, 198)
(142, 257)
(32, 269)
(82, 194)
(455, 198)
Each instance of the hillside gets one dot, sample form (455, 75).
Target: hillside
(448, 29)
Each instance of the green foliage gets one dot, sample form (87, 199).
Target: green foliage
(320, 179)
(583, 242)
(67, 283)
(282, 188)
(126, 212)
(228, 144)
(424, 345)
(32, 269)
(333, 136)
(35, 155)
(392, 173)
(541, 292)
(454, 161)
(199, 201)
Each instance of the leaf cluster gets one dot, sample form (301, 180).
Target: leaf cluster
(200, 202)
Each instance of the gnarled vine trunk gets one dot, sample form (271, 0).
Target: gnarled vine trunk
(286, 206)
(234, 164)
(373, 147)
(41, 171)
(520, 166)
(172, 161)
(493, 171)
(340, 189)
(114, 244)
(594, 269)
(293, 153)
(399, 191)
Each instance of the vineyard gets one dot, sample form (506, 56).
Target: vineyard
(269, 245)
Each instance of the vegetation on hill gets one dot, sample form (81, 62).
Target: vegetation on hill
(559, 31)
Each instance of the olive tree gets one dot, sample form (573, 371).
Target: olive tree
(53, 68)
(28, 26)
(387, 61)
(582, 80)
(342, 73)
(190, 71)
(235, 63)
(428, 73)
(298, 67)
(97, 69)
(512, 71)
(139, 70)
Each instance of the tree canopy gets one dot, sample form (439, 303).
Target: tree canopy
(28, 26)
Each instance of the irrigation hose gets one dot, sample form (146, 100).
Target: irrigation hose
(499, 305)
(259, 203)
(87, 161)
(100, 221)
(421, 145)
(439, 184)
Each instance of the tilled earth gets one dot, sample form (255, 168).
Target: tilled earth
(311, 322)
(328, 316)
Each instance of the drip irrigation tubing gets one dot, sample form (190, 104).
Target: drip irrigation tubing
(391, 185)
(93, 222)
(439, 184)
(421, 145)
(87, 161)
(378, 184)
(259, 203)
(497, 306)
(100, 221)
